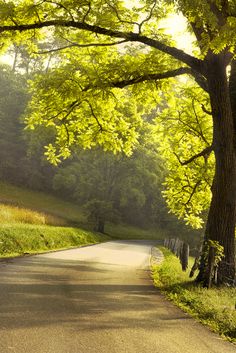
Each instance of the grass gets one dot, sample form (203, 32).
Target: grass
(13, 214)
(126, 232)
(214, 307)
(41, 202)
(34, 222)
(19, 239)
(54, 211)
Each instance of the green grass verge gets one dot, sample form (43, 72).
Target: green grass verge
(19, 239)
(214, 307)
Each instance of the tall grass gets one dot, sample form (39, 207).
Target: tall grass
(13, 214)
(41, 202)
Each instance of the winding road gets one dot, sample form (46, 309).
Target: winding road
(96, 299)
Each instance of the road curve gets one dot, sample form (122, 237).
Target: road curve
(97, 299)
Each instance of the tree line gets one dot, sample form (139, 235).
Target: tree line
(108, 187)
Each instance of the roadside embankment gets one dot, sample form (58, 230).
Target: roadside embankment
(215, 307)
(20, 239)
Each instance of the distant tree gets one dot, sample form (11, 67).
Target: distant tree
(22, 159)
(99, 213)
(13, 100)
(115, 188)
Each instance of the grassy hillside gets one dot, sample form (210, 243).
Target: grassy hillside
(20, 239)
(16, 214)
(124, 231)
(33, 222)
(26, 206)
(41, 202)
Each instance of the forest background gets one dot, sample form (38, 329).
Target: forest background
(108, 188)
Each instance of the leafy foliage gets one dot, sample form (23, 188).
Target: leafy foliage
(128, 188)
(185, 130)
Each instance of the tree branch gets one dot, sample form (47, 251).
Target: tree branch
(203, 153)
(194, 63)
(146, 77)
(101, 129)
(148, 17)
(87, 12)
(118, 16)
(217, 12)
(225, 7)
(80, 46)
(208, 112)
(60, 5)
(200, 79)
(151, 77)
(198, 31)
(197, 184)
(201, 134)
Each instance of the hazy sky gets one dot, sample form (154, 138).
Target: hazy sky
(176, 26)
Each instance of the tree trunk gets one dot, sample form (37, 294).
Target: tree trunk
(100, 227)
(232, 90)
(184, 256)
(221, 218)
(16, 52)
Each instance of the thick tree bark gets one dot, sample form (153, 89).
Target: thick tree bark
(221, 218)
(232, 90)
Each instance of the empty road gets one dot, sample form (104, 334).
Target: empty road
(97, 299)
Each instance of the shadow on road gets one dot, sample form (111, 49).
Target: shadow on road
(41, 291)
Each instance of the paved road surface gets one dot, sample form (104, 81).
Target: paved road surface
(97, 299)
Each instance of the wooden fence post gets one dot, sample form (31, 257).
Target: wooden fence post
(184, 256)
(180, 249)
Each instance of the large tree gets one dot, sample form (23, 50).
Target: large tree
(72, 97)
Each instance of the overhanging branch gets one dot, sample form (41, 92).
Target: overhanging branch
(151, 77)
(72, 45)
(220, 15)
(194, 63)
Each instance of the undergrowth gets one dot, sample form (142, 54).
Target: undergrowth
(214, 307)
